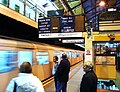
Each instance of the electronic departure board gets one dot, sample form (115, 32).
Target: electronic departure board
(61, 26)
(67, 24)
(44, 25)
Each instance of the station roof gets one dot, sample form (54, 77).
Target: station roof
(89, 8)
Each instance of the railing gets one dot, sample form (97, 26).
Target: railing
(25, 7)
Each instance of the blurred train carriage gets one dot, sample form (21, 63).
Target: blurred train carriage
(15, 51)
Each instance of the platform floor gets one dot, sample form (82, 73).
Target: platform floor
(117, 81)
(73, 83)
(75, 80)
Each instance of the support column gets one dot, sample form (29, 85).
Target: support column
(88, 49)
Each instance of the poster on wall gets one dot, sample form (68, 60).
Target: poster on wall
(88, 55)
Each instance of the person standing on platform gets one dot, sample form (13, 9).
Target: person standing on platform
(107, 50)
(26, 81)
(62, 74)
(56, 63)
(89, 79)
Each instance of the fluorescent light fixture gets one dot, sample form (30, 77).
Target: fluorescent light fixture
(112, 9)
(73, 41)
(80, 45)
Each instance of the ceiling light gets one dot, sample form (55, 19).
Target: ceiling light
(102, 3)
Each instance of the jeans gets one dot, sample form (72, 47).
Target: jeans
(55, 80)
(61, 86)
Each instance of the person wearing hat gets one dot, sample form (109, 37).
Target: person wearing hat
(89, 79)
(62, 74)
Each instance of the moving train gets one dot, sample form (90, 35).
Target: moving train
(15, 51)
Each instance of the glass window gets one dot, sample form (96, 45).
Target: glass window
(4, 2)
(17, 5)
(8, 61)
(73, 55)
(42, 57)
(24, 56)
(30, 13)
(58, 54)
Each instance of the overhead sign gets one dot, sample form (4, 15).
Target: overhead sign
(44, 25)
(67, 24)
(60, 35)
(81, 41)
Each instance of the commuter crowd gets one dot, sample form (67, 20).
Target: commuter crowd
(27, 82)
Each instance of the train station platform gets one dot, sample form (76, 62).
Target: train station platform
(73, 83)
(76, 74)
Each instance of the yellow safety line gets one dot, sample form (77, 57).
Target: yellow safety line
(53, 78)
(48, 82)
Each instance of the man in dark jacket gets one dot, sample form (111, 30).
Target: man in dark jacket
(62, 74)
(89, 80)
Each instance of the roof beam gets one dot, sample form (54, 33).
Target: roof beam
(66, 6)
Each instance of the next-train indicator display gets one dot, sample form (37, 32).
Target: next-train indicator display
(44, 25)
(67, 24)
(61, 27)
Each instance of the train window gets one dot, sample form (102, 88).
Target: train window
(73, 55)
(67, 53)
(78, 54)
(24, 56)
(58, 54)
(70, 54)
(8, 60)
(42, 57)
